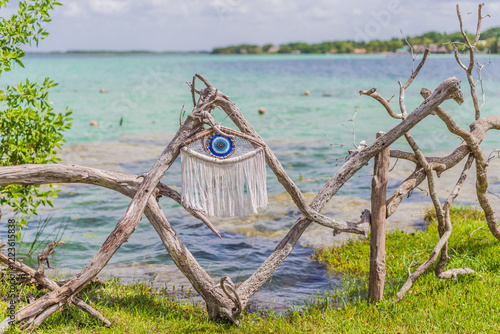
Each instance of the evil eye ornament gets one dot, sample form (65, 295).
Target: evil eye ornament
(223, 175)
(220, 146)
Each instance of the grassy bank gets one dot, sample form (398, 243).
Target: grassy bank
(469, 304)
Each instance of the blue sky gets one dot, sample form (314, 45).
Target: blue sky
(183, 25)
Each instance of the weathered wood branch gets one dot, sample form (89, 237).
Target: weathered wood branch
(453, 273)
(121, 182)
(39, 277)
(385, 103)
(230, 290)
(472, 49)
(402, 87)
(430, 178)
(414, 146)
(127, 224)
(218, 304)
(478, 131)
(448, 89)
(443, 226)
(452, 126)
(43, 257)
(127, 184)
(417, 70)
(376, 280)
(422, 268)
(444, 223)
(444, 236)
(443, 260)
(234, 113)
(473, 142)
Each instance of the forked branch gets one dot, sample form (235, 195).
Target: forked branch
(450, 88)
(43, 281)
(234, 113)
(472, 49)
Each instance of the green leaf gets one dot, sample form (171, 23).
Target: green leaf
(30, 129)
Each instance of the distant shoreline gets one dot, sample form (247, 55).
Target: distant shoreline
(110, 52)
(207, 53)
(437, 43)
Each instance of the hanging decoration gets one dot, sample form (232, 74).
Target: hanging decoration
(223, 173)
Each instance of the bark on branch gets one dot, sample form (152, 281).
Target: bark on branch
(39, 277)
(234, 113)
(478, 131)
(47, 304)
(450, 88)
(376, 280)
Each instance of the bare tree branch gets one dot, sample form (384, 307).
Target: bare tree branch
(448, 89)
(472, 49)
(39, 277)
(373, 93)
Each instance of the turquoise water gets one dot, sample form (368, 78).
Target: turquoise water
(146, 93)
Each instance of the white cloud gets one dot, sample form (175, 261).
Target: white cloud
(73, 9)
(153, 9)
(318, 13)
(200, 24)
(112, 7)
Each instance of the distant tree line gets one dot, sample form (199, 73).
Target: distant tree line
(490, 42)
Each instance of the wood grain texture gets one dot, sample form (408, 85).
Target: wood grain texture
(380, 178)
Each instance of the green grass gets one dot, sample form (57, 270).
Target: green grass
(469, 304)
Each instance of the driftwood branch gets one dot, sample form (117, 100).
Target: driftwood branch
(122, 182)
(236, 116)
(444, 236)
(385, 103)
(127, 224)
(472, 142)
(478, 131)
(126, 184)
(376, 280)
(412, 77)
(43, 257)
(448, 89)
(39, 277)
(443, 260)
(453, 273)
(472, 49)
(230, 290)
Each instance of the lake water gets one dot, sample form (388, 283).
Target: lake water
(145, 94)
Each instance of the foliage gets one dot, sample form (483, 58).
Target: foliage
(492, 32)
(30, 131)
(22, 28)
(242, 48)
(465, 305)
(490, 36)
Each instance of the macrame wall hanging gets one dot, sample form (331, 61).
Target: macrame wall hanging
(223, 173)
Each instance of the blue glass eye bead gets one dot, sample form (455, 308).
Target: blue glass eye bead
(221, 146)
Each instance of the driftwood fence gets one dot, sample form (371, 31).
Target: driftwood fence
(223, 299)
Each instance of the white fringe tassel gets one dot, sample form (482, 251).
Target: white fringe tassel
(224, 189)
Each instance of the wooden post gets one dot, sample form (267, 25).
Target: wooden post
(377, 236)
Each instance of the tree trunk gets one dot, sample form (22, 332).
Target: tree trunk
(377, 237)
